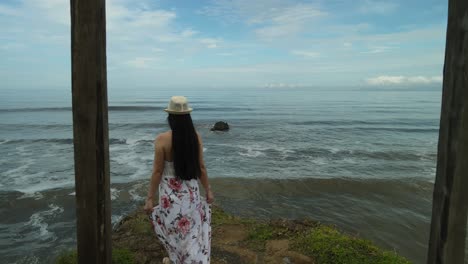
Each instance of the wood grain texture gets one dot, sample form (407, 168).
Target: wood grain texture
(90, 130)
(450, 201)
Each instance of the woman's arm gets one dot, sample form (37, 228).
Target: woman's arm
(158, 168)
(204, 174)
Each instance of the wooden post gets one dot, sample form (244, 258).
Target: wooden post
(90, 131)
(450, 204)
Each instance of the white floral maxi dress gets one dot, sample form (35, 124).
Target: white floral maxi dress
(182, 220)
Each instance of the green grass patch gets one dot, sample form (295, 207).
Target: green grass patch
(67, 257)
(140, 225)
(219, 217)
(119, 256)
(260, 232)
(329, 246)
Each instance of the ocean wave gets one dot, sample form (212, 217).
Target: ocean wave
(398, 129)
(257, 150)
(404, 127)
(391, 155)
(37, 220)
(126, 108)
(17, 127)
(62, 109)
(134, 194)
(330, 153)
(393, 122)
(360, 187)
(34, 195)
(112, 141)
(114, 193)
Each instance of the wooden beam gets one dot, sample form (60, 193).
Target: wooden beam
(450, 204)
(90, 130)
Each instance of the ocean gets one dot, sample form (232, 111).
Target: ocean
(360, 158)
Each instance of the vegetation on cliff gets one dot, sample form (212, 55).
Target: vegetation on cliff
(238, 240)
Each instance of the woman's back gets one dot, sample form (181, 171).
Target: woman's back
(182, 219)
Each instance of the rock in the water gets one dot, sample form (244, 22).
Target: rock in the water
(220, 126)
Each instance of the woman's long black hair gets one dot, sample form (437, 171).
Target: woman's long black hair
(185, 147)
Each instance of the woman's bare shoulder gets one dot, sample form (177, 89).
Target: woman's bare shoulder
(163, 137)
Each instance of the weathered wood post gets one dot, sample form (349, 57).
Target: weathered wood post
(90, 131)
(450, 204)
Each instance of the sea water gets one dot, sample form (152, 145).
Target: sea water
(362, 158)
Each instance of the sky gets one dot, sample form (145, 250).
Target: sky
(232, 43)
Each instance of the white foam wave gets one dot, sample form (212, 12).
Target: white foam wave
(251, 153)
(20, 169)
(134, 193)
(257, 150)
(26, 179)
(320, 161)
(132, 156)
(114, 193)
(35, 195)
(38, 220)
(45, 184)
(116, 218)
(28, 260)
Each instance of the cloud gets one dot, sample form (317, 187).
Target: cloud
(8, 11)
(252, 42)
(140, 62)
(269, 19)
(403, 80)
(305, 53)
(289, 21)
(377, 7)
(379, 49)
(188, 33)
(210, 43)
(282, 85)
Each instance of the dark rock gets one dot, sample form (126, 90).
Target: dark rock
(220, 126)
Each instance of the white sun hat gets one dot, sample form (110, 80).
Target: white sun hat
(178, 105)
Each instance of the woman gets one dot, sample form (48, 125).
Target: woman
(181, 220)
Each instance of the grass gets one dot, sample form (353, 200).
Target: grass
(219, 217)
(119, 256)
(140, 226)
(260, 233)
(324, 244)
(327, 245)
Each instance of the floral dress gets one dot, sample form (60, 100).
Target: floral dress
(182, 220)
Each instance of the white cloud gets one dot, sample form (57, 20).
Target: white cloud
(8, 11)
(379, 49)
(147, 35)
(188, 33)
(404, 80)
(282, 85)
(425, 80)
(377, 7)
(210, 43)
(269, 19)
(140, 62)
(288, 21)
(305, 53)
